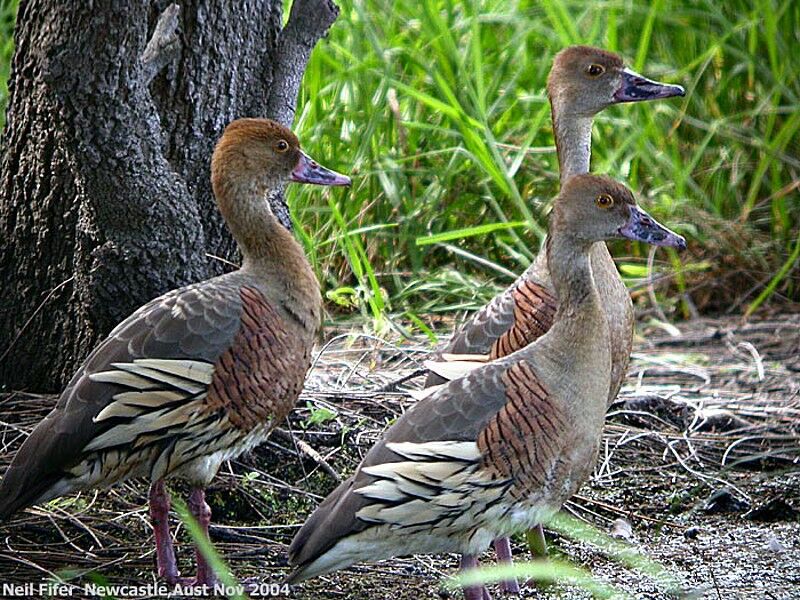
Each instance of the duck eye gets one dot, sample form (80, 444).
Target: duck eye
(282, 146)
(595, 70)
(604, 201)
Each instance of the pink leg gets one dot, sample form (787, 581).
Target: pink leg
(202, 513)
(159, 517)
(473, 592)
(502, 546)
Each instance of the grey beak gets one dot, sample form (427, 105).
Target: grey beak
(636, 88)
(644, 228)
(310, 171)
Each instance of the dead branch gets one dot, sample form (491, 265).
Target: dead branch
(164, 44)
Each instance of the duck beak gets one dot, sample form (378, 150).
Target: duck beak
(644, 228)
(635, 88)
(310, 171)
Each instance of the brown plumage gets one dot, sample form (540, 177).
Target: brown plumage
(200, 374)
(524, 436)
(259, 377)
(501, 448)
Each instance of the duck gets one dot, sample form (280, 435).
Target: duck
(199, 375)
(500, 449)
(582, 82)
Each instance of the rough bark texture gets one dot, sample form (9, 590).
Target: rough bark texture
(114, 108)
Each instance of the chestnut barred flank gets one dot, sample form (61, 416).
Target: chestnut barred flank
(524, 439)
(534, 311)
(259, 377)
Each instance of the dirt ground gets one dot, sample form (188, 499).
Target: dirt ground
(701, 457)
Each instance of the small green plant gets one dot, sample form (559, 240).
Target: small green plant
(318, 415)
(248, 479)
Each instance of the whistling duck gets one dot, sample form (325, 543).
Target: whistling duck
(199, 375)
(582, 82)
(500, 449)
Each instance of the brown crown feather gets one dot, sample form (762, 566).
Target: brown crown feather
(250, 129)
(597, 184)
(575, 55)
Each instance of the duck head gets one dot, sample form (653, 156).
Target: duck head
(594, 208)
(265, 154)
(252, 161)
(585, 80)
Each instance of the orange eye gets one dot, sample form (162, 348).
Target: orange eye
(595, 70)
(604, 201)
(282, 146)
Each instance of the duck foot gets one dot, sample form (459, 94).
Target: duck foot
(165, 549)
(473, 592)
(502, 546)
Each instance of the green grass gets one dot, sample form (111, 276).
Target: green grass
(8, 15)
(438, 110)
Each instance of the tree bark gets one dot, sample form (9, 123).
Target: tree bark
(114, 109)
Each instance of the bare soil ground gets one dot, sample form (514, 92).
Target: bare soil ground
(701, 457)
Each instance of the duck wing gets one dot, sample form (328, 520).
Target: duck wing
(439, 469)
(186, 374)
(513, 319)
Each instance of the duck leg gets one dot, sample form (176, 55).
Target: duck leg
(202, 514)
(473, 592)
(159, 517)
(502, 546)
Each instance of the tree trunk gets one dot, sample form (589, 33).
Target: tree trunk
(114, 109)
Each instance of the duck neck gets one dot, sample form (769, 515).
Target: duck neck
(576, 352)
(573, 135)
(570, 268)
(270, 253)
(251, 221)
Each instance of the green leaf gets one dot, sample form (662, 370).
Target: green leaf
(460, 234)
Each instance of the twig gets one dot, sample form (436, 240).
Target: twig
(392, 385)
(224, 261)
(756, 358)
(33, 316)
(304, 448)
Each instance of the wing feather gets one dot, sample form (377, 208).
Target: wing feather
(519, 315)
